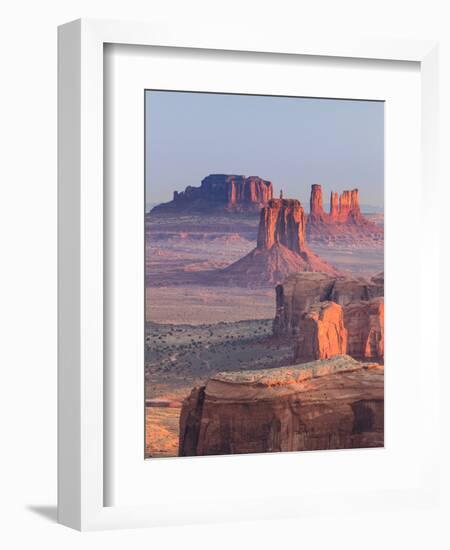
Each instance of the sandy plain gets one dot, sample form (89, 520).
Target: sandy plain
(194, 330)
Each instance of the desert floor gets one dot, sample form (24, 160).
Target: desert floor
(194, 330)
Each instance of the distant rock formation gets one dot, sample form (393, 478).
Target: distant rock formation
(280, 250)
(301, 290)
(232, 193)
(332, 404)
(343, 224)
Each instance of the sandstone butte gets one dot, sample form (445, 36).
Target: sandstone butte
(326, 316)
(281, 248)
(233, 193)
(331, 404)
(344, 223)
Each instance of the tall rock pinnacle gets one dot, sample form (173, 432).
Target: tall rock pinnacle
(334, 206)
(349, 206)
(316, 202)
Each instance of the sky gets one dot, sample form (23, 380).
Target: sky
(294, 142)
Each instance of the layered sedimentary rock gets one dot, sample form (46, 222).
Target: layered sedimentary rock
(365, 325)
(233, 193)
(326, 316)
(327, 329)
(280, 250)
(282, 222)
(316, 211)
(343, 224)
(302, 290)
(322, 333)
(332, 404)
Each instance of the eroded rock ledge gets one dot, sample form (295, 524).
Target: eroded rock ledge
(332, 404)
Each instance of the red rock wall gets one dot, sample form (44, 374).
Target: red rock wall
(281, 412)
(365, 324)
(283, 222)
(322, 333)
(301, 290)
(316, 203)
(232, 192)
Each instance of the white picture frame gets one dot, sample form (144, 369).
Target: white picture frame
(81, 406)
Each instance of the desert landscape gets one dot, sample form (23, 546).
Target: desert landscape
(264, 322)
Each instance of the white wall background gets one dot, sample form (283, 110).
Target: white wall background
(28, 268)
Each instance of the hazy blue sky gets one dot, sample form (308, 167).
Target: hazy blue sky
(294, 142)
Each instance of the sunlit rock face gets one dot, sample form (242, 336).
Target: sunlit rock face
(326, 316)
(301, 290)
(332, 404)
(234, 193)
(283, 222)
(322, 333)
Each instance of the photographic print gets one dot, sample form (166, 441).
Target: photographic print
(264, 274)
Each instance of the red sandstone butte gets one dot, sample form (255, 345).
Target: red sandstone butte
(234, 193)
(281, 248)
(343, 224)
(322, 333)
(332, 404)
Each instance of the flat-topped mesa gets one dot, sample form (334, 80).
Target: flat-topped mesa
(221, 192)
(283, 222)
(336, 403)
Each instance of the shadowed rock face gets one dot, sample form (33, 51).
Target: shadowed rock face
(301, 290)
(223, 192)
(328, 316)
(343, 223)
(333, 404)
(365, 324)
(280, 250)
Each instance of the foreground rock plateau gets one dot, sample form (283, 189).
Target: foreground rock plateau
(332, 404)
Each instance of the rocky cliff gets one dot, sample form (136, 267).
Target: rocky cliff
(343, 224)
(332, 404)
(321, 333)
(232, 193)
(282, 222)
(301, 290)
(326, 316)
(281, 248)
(364, 321)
